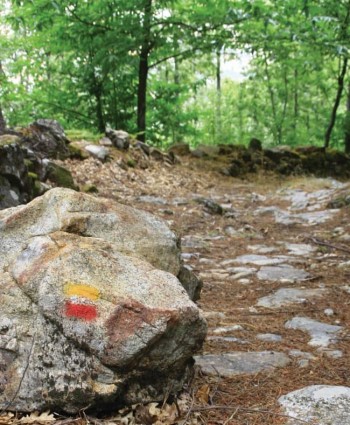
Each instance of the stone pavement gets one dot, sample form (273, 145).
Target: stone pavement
(277, 258)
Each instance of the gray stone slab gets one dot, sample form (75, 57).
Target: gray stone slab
(286, 296)
(308, 218)
(301, 200)
(322, 334)
(319, 404)
(259, 260)
(282, 272)
(239, 363)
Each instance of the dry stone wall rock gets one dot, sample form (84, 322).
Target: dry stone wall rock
(92, 313)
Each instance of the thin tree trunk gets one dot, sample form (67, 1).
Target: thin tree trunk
(272, 100)
(347, 123)
(97, 92)
(2, 121)
(175, 126)
(99, 111)
(218, 126)
(331, 124)
(296, 100)
(115, 106)
(2, 118)
(284, 110)
(141, 96)
(143, 72)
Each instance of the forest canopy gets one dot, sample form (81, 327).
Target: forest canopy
(155, 68)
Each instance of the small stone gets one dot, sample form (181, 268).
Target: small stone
(346, 288)
(345, 237)
(119, 138)
(231, 231)
(303, 354)
(241, 275)
(204, 260)
(344, 265)
(214, 315)
(269, 337)
(303, 357)
(329, 312)
(186, 256)
(300, 249)
(244, 281)
(99, 152)
(226, 329)
(210, 206)
(105, 141)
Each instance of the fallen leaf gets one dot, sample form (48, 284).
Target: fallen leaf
(202, 394)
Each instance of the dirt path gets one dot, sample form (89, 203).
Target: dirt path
(275, 264)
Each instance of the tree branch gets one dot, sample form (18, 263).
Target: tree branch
(85, 118)
(88, 23)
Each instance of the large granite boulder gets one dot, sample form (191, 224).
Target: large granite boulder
(92, 314)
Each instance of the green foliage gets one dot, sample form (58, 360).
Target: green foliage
(79, 62)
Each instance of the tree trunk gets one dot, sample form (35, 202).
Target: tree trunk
(296, 101)
(97, 92)
(347, 123)
(143, 72)
(218, 126)
(2, 118)
(341, 78)
(99, 112)
(175, 123)
(2, 122)
(276, 134)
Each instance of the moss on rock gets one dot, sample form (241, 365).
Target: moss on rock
(60, 176)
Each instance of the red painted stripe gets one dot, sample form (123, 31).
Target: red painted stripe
(80, 311)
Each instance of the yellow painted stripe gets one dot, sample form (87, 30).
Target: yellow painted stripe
(86, 291)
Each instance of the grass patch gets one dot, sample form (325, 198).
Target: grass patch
(75, 135)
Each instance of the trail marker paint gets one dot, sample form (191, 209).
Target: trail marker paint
(79, 290)
(79, 306)
(80, 311)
